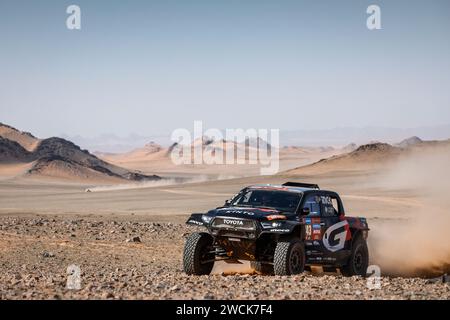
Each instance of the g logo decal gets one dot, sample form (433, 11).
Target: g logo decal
(340, 237)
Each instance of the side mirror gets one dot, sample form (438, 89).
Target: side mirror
(305, 211)
(227, 203)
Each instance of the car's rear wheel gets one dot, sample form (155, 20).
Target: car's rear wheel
(289, 257)
(198, 255)
(264, 268)
(359, 259)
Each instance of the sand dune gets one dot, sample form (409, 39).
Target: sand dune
(11, 170)
(156, 159)
(372, 157)
(149, 152)
(63, 169)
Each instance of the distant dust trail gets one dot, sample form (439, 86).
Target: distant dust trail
(421, 245)
(384, 199)
(159, 183)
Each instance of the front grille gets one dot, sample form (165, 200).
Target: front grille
(234, 224)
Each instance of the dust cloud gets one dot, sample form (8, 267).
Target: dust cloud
(418, 245)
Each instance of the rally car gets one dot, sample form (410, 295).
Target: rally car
(282, 230)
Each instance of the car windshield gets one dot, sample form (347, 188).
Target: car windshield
(273, 199)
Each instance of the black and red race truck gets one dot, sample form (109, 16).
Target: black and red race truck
(282, 230)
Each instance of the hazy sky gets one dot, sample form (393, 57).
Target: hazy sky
(149, 67)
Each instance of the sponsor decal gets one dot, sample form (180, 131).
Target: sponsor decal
(316, 226)
(196, 222)
(331, 236)
(279, 230)
(329, 210)
(326, 200)
(276, 217)
(315, 231)
(240, 212)
(308, 221)
(308, 231)
(267, 210)
(316, 243)
(233, 222)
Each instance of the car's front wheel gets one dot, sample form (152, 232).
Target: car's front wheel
(198, 255)
(289, 257)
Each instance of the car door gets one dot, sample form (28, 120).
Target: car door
(334, 230)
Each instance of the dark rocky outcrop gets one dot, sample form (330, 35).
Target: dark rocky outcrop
(65, 155)
(12, 152)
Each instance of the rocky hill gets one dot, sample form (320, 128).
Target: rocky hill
(13, 152)
(59, 158)
(25, 139)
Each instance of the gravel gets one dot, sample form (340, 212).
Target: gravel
(41, 257)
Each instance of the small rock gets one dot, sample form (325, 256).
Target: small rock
(108, 295)
(48, 254)
(160, 286)
(134, 239)
(209, 296)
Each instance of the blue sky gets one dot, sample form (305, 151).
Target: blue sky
(149, 67)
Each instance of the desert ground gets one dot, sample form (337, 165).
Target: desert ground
(127, 237)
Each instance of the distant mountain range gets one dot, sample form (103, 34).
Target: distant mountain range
(336, 137)
(363, 135)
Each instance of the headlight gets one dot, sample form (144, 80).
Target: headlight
(276, 224)
(268, 225)
(206, 219)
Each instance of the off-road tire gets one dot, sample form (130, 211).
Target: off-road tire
(263, 268)
(289, 257)
(359, 259)
(196, 252)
